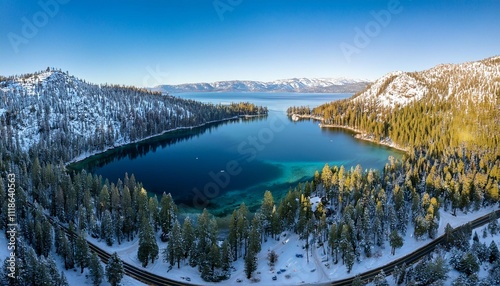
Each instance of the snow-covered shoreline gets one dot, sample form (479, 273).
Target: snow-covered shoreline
(121, 143)
(359, 133)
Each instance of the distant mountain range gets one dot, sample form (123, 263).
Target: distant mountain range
(477, 80)
(300, 85)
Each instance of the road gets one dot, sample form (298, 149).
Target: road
(319, 265)
(153, 279)
(410, 258)
(135, 272)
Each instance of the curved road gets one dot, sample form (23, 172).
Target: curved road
(137, 273)
(412, 257)
(153, 279)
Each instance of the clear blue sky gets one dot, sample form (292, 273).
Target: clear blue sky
(169, 41)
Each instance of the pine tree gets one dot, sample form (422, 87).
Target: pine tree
(250, 263)
(47, 237)
(254, 242)
(143, 214)
(114, 270)
(242, 225)
(204, 239)
(273, 258)
(333, 242)
(233, 233)
(468, 264)
(148, 248)
(175, 245)
(346, 248)
(267, 209)
(63, 281)
(82, 218)
(449, 237)
(494, 253)
(104, 200)
(118, 226)
(188, 237)
(168, 213)
(380, 279)
(81, 251)
(226, 257)
(357, 281)
(493, 224)
(107, 228)
(129, 214)
(153, 210)
(68, 253)
(326, 177)
(395, 241)
(96, 270)
(214, 257)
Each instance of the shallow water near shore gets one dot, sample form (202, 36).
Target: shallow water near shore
(220, 165)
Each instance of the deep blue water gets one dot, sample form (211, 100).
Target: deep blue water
(220, 166)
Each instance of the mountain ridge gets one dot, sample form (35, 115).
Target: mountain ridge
(298, 85)
(480, 79)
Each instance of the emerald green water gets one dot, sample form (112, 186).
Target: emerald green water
(224, 164)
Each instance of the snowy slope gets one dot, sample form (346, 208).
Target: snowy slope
(329, 85)
(55, 110)
(478, 80)
(298, 270)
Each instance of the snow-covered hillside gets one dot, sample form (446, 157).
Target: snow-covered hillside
(321, 85)
(68, 117)
(478, 80)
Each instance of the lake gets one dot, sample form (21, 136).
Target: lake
(220, 165)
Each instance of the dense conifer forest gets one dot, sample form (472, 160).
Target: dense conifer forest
(49, 118)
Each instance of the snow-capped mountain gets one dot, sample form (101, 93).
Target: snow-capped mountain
(479, 80)
(320, 85)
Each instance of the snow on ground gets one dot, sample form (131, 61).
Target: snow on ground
(461, 218)
(319, 269)
(4, 251)
(453, 274)
(73, 276)
(314, 203)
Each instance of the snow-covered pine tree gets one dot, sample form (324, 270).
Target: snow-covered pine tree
(266, 210)
(188, 237)
(233, 233)
(357, 281)
(493, 224)
(214, 258)
(494, 253)
(154, 212)
(380, 279)
(272, 256)
(82, 251)
(395, 240)
(250, 263)
(254, 241)
(243, 228)
(129, 213)
(175, 248)
(148, 248)
(96, 271)
(117, 226)
(107, 229)
(226, 257)
(114, 270)
(168, 213)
